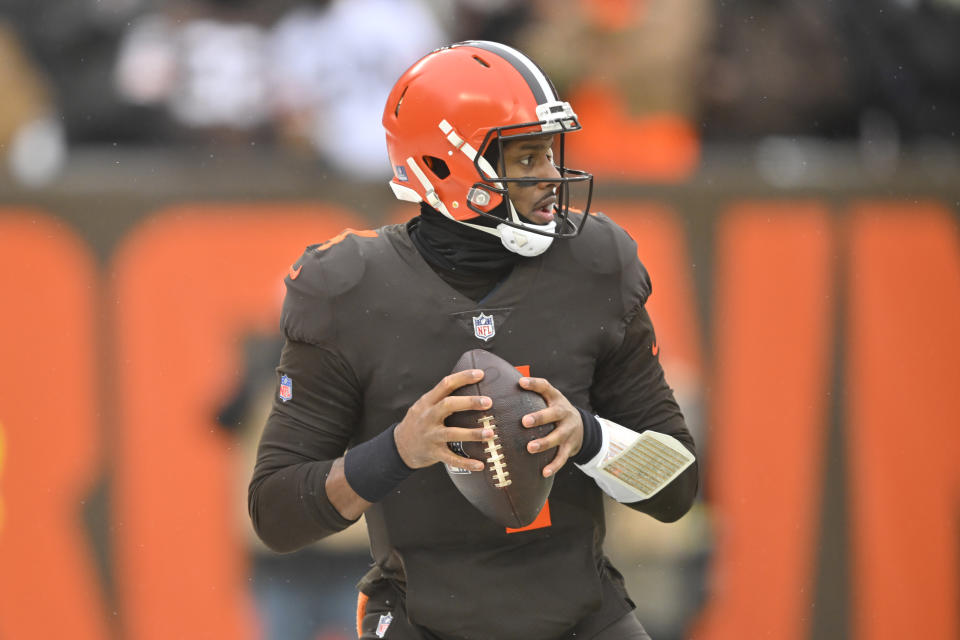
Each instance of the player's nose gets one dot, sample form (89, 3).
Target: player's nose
(548, 173)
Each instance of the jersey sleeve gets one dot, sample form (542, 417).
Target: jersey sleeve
(321, 276)
(635, 285)
(606, 251)
(630, 389)
(316, 408)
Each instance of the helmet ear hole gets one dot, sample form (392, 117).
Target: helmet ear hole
(437, 166)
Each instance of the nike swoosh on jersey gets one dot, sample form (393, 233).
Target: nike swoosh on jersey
(295, 273)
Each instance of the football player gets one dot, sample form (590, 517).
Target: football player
(498, 258)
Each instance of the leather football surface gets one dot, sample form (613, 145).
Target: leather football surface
(511, 490)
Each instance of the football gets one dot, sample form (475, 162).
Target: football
(511, 490)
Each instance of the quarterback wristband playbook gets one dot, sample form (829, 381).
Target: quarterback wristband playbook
(373, 468)
(633, 466)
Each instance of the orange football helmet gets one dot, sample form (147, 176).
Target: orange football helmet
(448, 111)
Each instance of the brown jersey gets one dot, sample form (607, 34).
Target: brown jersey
(370, 327)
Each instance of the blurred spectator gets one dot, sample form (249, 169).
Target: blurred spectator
(776, 68)
(833, 68)
(497, 20)
(31, 136)
(25, 90)
(629, 68)
(331, 66)
(74, 42)
(200, 63)
(906, 56)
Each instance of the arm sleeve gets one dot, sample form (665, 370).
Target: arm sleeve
(629, 388)
(303, 436)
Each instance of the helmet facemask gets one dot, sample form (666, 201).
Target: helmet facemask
(494, 181)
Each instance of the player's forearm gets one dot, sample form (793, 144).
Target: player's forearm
(290, 508)
(675, 499)
(341, 495)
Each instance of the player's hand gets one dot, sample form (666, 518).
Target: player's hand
(567, 434)
(422, 436)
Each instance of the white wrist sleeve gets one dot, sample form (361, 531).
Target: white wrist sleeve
(633, 466)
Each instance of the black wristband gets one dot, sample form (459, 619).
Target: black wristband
(592, 438)
(373, 468)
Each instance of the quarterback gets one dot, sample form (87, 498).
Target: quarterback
(373, 321)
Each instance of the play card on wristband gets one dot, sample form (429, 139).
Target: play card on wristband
(633, 466)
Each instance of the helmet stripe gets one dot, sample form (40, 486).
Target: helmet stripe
(543, 90)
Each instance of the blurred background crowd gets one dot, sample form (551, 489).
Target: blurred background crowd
(308, 78)
(789, 94)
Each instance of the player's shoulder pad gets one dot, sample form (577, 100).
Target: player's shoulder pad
(604, 247)
(319, 276)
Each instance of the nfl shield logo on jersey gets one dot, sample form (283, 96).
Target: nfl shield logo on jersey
(483, 326)
(286, 388)
(384, 624)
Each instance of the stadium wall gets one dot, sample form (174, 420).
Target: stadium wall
(810, 331)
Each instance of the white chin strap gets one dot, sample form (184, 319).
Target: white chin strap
(520, 241)
(523, 242)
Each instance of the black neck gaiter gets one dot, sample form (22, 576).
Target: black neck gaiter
(470, 261)
(452, 246)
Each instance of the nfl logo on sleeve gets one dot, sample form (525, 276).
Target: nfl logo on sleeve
(384, 624)
(483, 327)
(286, 388)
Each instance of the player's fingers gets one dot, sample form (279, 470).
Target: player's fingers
(460, 462)
(541, 386)
(460, 434)
(452, 404)
(553, 439)
(556, 413)
(563, 435)
(557, 463)
(451, 383)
